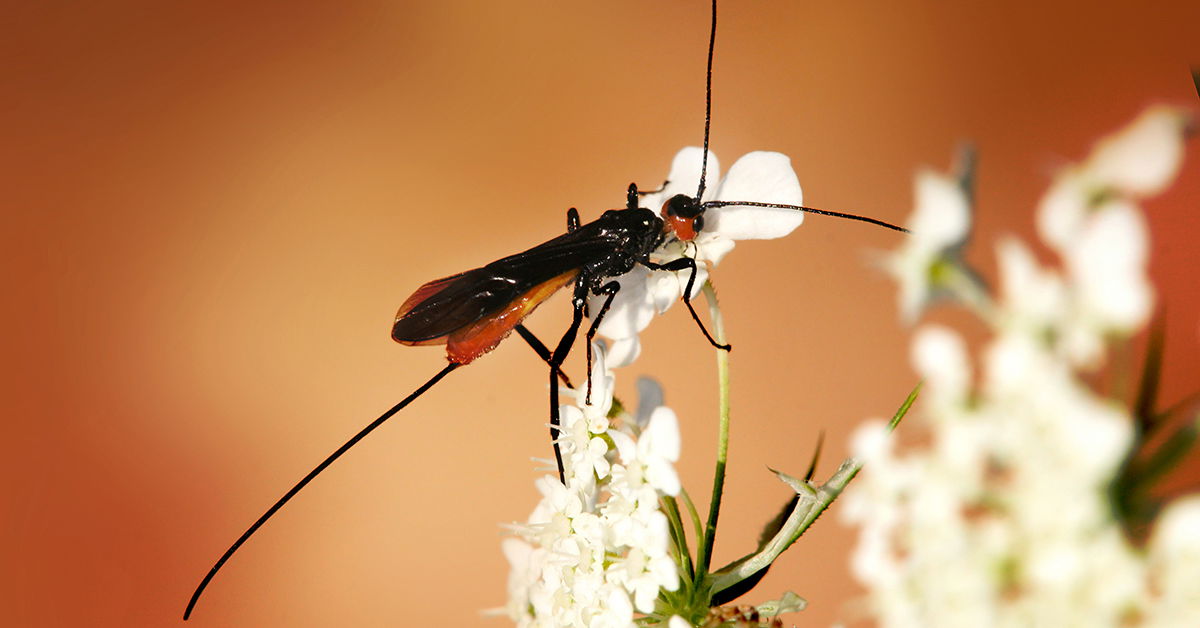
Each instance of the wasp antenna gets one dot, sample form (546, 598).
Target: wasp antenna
(811, 210)
(712, 42)
(308, 478)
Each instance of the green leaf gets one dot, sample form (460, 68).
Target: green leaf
(1168, 455)
(903, 409)
(1147, 394)
(812, 466)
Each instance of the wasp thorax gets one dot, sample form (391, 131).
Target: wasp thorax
(683, 216)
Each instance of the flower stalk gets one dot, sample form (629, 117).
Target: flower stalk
(718, 488)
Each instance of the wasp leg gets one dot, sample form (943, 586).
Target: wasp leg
(556, 360)
(681, 264)
(632, 194)
(572, 219)
(660, 189)
(542, 352)
(611, 289)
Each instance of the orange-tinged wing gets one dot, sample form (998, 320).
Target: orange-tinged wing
(420, 296)
(476, 339)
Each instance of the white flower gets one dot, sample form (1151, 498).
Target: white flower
(1175, 563)
(940, 356)
(1090, 219)
(525, 567)
(1003, 516)
(1136, 162)
(1144, 157)
(583, 449)
(939, 226)
(598, 549)
(650, 459)
(678, 622)
(756, 177)
(1107, 261)
(584, 455)
(645, 566)
(1032, 300)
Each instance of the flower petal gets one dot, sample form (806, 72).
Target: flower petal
(1108, 263)
(685, 173)
(650, 397)
(940, 356)
(764, 177)
(1142, 158)
(624, 351)
(712, 248)
(632, 308)
(943, 216)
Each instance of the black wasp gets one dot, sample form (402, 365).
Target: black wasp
(473, 311)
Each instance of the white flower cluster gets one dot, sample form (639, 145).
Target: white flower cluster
(1004, 517)
(598, 549)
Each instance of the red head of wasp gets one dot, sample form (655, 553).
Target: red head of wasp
(473, 311)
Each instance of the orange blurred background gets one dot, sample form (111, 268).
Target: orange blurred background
(213, 210)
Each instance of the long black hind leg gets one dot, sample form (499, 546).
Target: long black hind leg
(556, 360)
(681, 264)
(542, 351)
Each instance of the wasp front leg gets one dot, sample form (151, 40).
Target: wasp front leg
(687, 263)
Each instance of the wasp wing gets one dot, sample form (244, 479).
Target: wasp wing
(444, 306)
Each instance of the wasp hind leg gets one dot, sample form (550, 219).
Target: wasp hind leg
(556, 359)
(542, 351)
(611, 289)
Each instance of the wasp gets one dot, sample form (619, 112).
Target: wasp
(473, 311)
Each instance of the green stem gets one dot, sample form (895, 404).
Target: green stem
(704, 552)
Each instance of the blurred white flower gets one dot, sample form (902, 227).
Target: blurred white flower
(940, 356)
(756, 177)
(1134, 163)
(1107, 266)
(1090, 218)
(939, 227)
(1032, 300)
(1143, 158)
(1175, 564)
(1004, 517)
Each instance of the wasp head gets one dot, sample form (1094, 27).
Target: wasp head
(683, 216)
